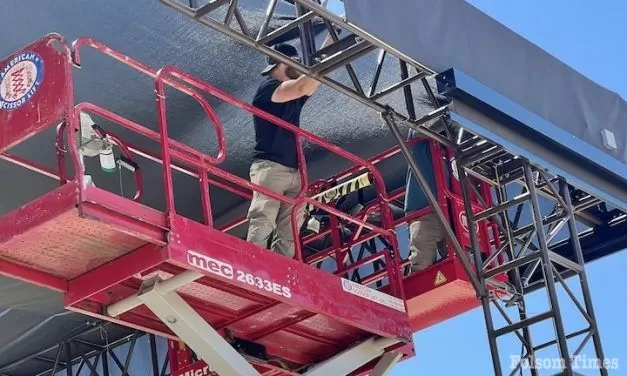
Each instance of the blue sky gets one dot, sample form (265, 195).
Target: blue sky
(592, 40)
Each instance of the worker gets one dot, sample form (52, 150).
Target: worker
(425, 233)
(275, 164)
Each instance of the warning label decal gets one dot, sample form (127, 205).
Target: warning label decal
(439, 278)
(373, 295)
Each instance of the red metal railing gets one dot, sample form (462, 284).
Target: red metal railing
(124, 149)
(339, 250)
(175, 155)
(448, 195)
(204, 165)
(18, 125)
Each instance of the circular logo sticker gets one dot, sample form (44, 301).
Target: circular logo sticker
(463, 220)
(347, 285)
(19, 80)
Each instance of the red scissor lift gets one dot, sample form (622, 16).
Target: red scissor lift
(243, 309)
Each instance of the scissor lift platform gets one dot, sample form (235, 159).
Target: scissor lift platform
(117, 259)
(99, 250)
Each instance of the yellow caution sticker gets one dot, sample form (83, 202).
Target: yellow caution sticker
(350, 186)
(439, 278)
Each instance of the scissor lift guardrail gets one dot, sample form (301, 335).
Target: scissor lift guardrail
(119, 260)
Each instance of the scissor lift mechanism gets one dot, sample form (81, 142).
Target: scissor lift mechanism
(169, 244)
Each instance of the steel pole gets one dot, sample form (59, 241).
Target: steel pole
(485, 299)
(587, 296)
(548, 271)
(461, 254)
(515, 275)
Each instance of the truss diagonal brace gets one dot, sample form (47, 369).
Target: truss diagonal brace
(448, 231)
(350, 360)
(188, 325)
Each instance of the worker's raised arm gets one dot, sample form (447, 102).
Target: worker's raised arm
(294, 89)
(298, 88)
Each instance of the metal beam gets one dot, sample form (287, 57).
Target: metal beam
(377, 73)
(506, 229)
(266, 21)
(153, 355)
(334, 19)
(572, 296)
(409, 97)
(570, 336)
(501, 207)
(563, 261)
(209, 7)
(583, 279)
(548, 270)
(392, 88)
(511, 265)
(349, 67)
(523, 323)
(68, 359)
(287, 27)
(353, 52)
(485, 300)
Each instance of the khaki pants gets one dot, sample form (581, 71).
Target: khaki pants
(424, 236)
(269, 219)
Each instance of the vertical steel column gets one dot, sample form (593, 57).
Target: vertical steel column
(409, 98)
(57, 359)
(574, 240)
(307, 40)
(548, 270)
(485, 299)
(105, 362)
(153, 355)
(515, 275)
(377, 73)
(520, 259)
(68, 359)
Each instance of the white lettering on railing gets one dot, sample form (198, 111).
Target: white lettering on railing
(226, 270)
(211, 265)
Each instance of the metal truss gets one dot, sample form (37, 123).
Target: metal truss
(322, 62)
(528, 250)
(350, 44)
(90, 352)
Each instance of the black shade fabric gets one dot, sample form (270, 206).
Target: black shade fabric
(452, 33)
